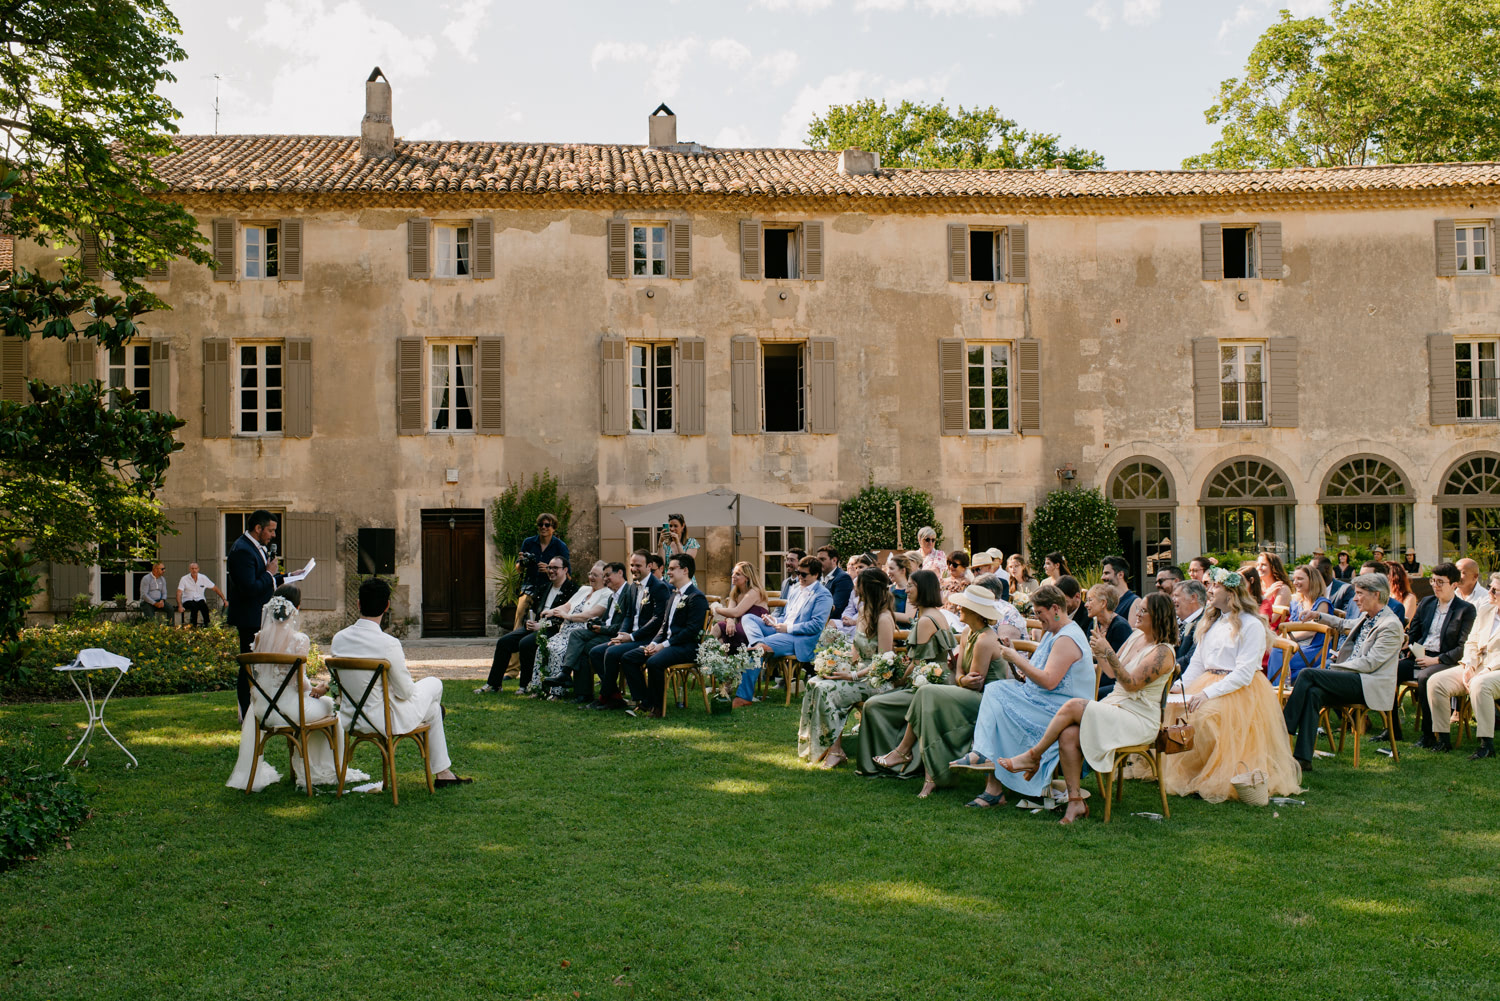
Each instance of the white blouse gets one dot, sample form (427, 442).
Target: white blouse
(1220, 650)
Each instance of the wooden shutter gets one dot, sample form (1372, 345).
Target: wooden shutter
(1213, 256)
(953, 418)
(206, 545)
(1207, 412)
(160, 272)
(1447, 248)
(744, 384)
(680, 247)
(617, 249)
(216, 388)
(1028, 385)
(67, 580)
(1281, 365)
(419, 248)
(614, 399)
(81, 362)
(161, 376)
(177, 551)
(821, 536)
(751, 258)
(88, 256)
(297, 398)
(12, 369)
(823, 381)
(1270, 250)
(1442, 380)
(958, 252)
(312, 536)
(612, 548)
(490, 364)
(224, 256)
(409, 416)
(692, 379)
(1020, 259)
(812, 251)
(290, 260)
(482, 233)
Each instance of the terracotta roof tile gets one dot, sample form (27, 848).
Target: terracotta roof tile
(332, 164)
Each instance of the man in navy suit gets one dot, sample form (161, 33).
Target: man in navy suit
(676, 642)
(836, 579)
(252, 579)
(643, 622)
(1189, 597)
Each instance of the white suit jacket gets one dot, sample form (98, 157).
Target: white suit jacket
(409, 702)
(1482, 650)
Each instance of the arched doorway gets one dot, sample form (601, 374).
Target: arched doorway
(1147, 512)
(1365, 502)
(1248, 508)
(1469, 511)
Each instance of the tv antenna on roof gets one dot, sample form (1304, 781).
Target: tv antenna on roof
(217, 78)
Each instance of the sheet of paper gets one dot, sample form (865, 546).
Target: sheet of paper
(302, 574)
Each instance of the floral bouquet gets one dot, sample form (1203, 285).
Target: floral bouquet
(927, 673)
(1022, 603)
(716, 662)
(888, 668)
(833, 653)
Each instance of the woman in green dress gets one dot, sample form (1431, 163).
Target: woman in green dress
(882, 727)
(826, 706)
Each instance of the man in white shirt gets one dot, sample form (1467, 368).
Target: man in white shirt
(1468, 585)
(190, 591)
(412, 702)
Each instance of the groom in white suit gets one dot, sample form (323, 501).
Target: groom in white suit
(412, 702)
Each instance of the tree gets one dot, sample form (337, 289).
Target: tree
(1080, 524)
(83, 125)
(929, 135)
(867, 521)
(1378, 81)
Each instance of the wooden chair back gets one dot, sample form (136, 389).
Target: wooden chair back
(293, 665)
(1329, 632)
(1287, 648)
(357, 693)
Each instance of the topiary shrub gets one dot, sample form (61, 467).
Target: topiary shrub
(867, 521)
(1080, 524)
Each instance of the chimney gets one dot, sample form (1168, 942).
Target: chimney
(663, 127)
(377, 136)
(858, 162)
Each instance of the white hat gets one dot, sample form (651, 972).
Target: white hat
(979, 599)
(981, 558)
(997, 555)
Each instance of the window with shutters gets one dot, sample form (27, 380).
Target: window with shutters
(120, 576)
(652, 399)
(988, 384)
(262, 251)
(781, 245)
(775, 543)
(451, 247)
(1472, 242)
(258, 387)
(1242, 382)
(129, 376)
(1475, 380)
(987, 252)
(1239, 251)
(451, 386)
(784, 387)
(648, 251)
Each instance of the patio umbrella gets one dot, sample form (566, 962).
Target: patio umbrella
(718, 508)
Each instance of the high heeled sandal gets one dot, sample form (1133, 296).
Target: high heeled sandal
(891, 760)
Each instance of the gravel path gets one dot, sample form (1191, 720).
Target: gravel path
(467, 661)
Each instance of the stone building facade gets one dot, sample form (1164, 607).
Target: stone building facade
(396, 330)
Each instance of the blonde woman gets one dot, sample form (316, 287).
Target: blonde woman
(746, 597)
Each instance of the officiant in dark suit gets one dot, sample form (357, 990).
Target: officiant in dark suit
(252, 579)
(676, 642)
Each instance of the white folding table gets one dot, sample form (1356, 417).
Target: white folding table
(88, 661)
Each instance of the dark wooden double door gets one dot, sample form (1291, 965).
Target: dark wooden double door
(453, 573)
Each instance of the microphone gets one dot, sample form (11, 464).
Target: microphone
(271, 550)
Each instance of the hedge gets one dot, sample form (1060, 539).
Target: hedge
(36, 807)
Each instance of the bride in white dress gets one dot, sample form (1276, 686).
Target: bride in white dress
(279, 634)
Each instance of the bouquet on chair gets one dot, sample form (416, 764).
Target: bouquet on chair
(716, 662)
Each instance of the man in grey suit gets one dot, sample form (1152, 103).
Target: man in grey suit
(576, 662)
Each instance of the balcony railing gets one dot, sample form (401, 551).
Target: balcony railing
(1242, 402)
(1479, 399)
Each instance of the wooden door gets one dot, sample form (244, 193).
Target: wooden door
(453, 573)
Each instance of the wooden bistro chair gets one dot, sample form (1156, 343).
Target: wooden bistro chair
(297, 732)
(348, 672)
(1331, 635)
(679, 676)
(1114, 781)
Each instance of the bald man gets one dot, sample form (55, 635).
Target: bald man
(1468, 584)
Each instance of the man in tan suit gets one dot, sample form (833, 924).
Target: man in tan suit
(1477, 675)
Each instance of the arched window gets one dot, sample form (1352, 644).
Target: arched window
(1147, 504)
(1365, 503)
(1140, 483)
(1469, 508)
(1247, 508)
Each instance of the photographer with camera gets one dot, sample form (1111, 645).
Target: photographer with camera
(675, 540)
(536, 552)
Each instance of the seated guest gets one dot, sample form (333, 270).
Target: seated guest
(154, 593)
(1338, 591)
(1011, 624)
(885, 739)
(1013, 715)
(1091, 731)
(990, 563)
(1167, 579)
(656, 565)
(1382, 568)
(1102, 609)
(1477, 675)
(1189, 597)
(1116, 574)
(745, 598)
(1077, 608)
(569, 625)
(1468, 584)
(1198, 568)
(645, 607)
(676, 642)
(827, 701)
(931, 558)
(789, 581)
(412, 702)
(1307, 597)
(536, 552)
(1021, 581)
(1437, 635)
(523, 639)
(1237, 721)
(839, 584)
(848, 622)
(577, 662)
(1275, 584)
(192, 589)
(796, 632)
(1054, 567)
(1401, 588)
(958, 578)
(1345, 569)
(1413, 568)
(1364, 673)
(899, 567)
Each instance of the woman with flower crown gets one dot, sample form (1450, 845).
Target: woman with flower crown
(830, 697)
(279, 633)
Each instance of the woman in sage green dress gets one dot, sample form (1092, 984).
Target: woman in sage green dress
(826, 706)
(882, 725)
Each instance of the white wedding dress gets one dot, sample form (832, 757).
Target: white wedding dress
(281, 636)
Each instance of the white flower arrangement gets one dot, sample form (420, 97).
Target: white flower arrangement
(927, 673)
(716, 662)
(1022, 602)
(888, 668)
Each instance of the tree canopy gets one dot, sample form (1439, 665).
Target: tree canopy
(930, 135)
(1377, 81)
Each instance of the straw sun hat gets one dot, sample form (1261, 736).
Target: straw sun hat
(979, 599)
(981, 558)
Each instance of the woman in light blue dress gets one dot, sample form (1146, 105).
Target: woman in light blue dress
(1013, 715)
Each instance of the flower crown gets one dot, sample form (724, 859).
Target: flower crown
(281, 608)
(1226, 577)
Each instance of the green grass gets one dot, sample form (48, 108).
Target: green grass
(598, 856)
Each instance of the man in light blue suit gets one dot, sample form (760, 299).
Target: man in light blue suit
(796, 633)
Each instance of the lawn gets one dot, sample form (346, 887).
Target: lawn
(599, 856)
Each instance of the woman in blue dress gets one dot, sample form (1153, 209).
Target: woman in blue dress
(1013, 715)
(1307, 593)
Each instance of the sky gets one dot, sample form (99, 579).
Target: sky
(1129, 78)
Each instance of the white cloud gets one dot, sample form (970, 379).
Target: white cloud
(1139, 12)
(885, 5)
(778, 65)
(728, 52)
(731, 137)
(1264, 11)
(980, 7)
(234, 23)
(432, 128)
(805, 6)
(664, 64)
(462, 29)
(1136, 13)
(1101, 14)
(844, 88)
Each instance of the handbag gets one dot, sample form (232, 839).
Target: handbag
(1174, 738)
